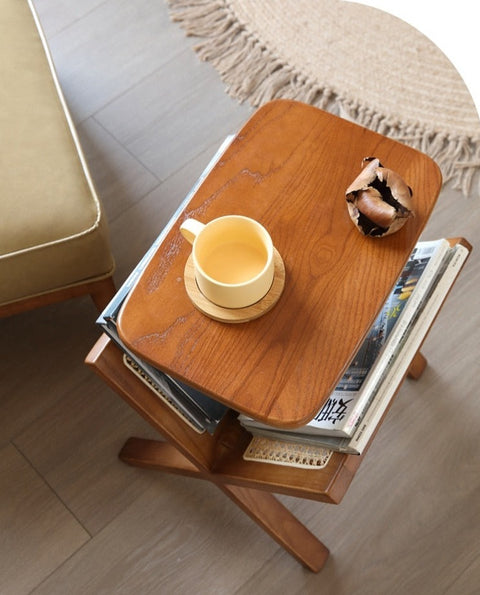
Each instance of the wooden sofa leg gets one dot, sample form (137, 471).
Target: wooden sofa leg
(102, 292)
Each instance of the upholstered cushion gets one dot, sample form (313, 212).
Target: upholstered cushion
(52, 228)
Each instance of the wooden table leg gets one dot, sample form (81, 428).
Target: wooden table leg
(161, 456)
(262, 507)
(280, 524)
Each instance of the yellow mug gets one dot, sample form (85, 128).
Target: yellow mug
(232, 259)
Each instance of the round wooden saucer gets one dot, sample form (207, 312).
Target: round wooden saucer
(236, 314)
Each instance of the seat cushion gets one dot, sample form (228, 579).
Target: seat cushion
(52, 228)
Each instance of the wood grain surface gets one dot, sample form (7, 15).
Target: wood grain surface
(288, 168)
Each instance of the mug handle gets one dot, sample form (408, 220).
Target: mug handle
(190, 229)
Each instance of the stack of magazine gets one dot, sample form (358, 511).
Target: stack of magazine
(353, 411)
(198, 410)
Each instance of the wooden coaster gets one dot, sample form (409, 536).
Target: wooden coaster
(236, 314)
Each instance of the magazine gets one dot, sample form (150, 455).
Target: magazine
(343, 410)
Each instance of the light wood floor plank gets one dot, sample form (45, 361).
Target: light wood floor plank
(154, 547)
(110, 49)
(37, 532)
(119, 177)
(172, 115)
(74, 446)
(59, 15)
(41, 354)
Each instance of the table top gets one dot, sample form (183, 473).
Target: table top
(288, 167)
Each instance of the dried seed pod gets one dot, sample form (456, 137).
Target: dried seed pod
(379, 201)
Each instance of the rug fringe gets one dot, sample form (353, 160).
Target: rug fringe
(251, 72)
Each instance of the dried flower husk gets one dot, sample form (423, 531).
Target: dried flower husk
(379, 201)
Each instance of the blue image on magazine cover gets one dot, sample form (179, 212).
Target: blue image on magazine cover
(365, 357)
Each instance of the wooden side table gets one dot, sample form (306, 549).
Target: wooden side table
(288, 168)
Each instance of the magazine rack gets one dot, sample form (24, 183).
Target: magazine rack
(289, 168)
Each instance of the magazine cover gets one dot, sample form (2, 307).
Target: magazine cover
(338, 407)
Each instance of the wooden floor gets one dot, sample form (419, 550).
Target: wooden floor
(73, 519)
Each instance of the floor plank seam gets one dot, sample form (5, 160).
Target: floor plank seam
(51, 488)
(127, 150)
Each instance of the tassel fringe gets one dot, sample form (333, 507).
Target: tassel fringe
(251, 72)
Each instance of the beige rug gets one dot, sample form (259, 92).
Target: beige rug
(353, 60)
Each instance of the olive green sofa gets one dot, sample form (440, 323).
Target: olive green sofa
(54, 241)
